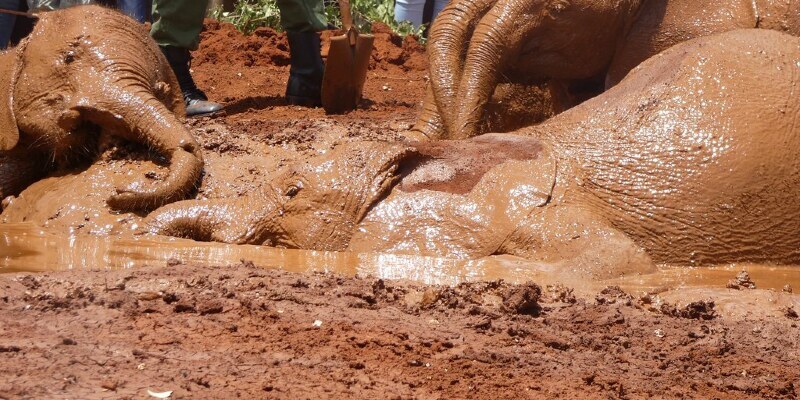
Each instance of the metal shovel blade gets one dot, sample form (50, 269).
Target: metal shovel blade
(346, 71)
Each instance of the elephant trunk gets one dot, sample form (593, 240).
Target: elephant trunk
(240, 221)
(429, 123)
(489, 49)
(448, 33)
(144, 119)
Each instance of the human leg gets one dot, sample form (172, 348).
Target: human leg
(302, 19)
(7, 21)
(176, 28)
(136, 9)
(409, 10)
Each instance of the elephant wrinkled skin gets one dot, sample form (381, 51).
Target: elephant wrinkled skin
(83, 72)
(690, 159)
(476, 44)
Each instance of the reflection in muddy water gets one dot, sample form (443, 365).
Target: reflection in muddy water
(24, 247)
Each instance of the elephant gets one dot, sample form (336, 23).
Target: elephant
(476, 44)
(691, 159)
(87, 73)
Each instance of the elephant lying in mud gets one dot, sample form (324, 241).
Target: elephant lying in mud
(83, 72)
(476, 44)
(692, 158)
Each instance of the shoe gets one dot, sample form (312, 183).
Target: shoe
(196, 101)
(305, 74)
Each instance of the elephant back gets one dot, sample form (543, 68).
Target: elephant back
(700, 141)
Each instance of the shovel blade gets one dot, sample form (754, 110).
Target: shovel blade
(345, 73)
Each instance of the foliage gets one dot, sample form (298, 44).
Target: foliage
(248, 15)
(251, 14)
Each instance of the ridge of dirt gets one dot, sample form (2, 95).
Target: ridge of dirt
(243, 331)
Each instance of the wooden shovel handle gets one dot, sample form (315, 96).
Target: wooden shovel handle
(20, 13)
(347, 17)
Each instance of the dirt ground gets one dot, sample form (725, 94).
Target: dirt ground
(241, 331)
(246, 332)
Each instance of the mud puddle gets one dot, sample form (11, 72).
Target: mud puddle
(27, 248)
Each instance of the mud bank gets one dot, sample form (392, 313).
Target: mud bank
(241, 331)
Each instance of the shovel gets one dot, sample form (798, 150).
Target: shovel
(346, 68)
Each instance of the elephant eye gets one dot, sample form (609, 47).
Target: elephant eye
(292, 190)
(558, 6)
(69, 58)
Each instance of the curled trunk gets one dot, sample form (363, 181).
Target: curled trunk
(205, 221)
(146, 120)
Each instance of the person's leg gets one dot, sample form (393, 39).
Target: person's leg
(301, 19)
(438, 6)
(136, 9)
(409, 10)
(176, 28)
(7, 22)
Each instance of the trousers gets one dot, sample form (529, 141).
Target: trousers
(7, 21)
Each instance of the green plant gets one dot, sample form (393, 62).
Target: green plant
(248, 15)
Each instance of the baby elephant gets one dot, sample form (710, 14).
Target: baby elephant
(691, 159)
(82, 72)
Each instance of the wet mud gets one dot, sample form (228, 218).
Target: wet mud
(126, 313)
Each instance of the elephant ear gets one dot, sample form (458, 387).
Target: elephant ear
(9, 131)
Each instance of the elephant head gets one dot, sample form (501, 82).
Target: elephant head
(87, 70)
(530, 39)
(312, 205)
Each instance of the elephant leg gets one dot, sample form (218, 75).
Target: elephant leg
(577, 239)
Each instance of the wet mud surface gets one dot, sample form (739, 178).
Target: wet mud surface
(246, 332)
(225, 329)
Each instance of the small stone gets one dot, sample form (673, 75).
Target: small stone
(742, 281)
(109, 385)
(68, 342)
(787, 288)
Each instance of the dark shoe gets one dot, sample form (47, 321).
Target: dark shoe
(196, 101)
(305, 75)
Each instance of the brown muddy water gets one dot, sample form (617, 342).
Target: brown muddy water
(27, 248)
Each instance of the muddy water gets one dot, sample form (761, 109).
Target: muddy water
(24, 247)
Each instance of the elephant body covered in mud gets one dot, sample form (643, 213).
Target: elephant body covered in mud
(476, 44)
(85, 72)
(692, 158)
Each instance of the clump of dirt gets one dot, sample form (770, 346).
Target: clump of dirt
(742, 281)
(242, 331)
(223, 44)
(703, 310)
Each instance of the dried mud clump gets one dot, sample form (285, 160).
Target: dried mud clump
(702, 310)
(614, 295)
(479, 298)
(742, 281)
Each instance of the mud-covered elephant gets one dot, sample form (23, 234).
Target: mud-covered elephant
(476, 44)
(85, 72)
(692, 158)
